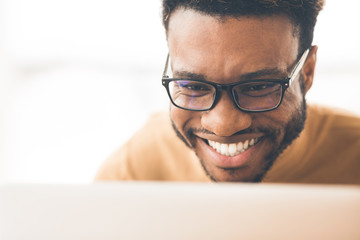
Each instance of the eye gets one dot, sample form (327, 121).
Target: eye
(193, 88)
(258, 89)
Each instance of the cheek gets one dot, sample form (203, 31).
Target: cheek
(278, 118)
(291, 104)
(180, 117)
(184, 119)
(293, 97)
(295, 93)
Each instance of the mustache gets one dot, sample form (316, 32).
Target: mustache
(264, 130)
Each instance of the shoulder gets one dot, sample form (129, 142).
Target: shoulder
(333, 121)
(158, 124)
(327, 151)
(154, 152)
(330, 112)
(333, 144)
(154, 135)
(137, 152)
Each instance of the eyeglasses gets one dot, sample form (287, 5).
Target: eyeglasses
(249, 96)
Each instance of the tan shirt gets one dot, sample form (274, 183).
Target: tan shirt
(327, 151)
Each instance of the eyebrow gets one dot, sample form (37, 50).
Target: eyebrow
(245, 77)
(189, 75)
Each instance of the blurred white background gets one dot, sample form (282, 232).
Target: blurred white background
(78, 77)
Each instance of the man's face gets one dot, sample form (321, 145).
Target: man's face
(227, 51)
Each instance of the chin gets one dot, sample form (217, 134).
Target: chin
(240, 174)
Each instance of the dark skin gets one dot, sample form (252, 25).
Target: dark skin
(228, 51)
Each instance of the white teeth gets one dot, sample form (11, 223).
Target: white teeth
(233, 148)
(217, 147)
(224, 149)
(240, 146)
(246, 144)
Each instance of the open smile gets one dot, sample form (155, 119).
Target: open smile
(235, 154)
(232, 149)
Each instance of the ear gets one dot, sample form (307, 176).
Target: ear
(308, 69)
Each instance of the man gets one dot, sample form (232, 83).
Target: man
(237, 75)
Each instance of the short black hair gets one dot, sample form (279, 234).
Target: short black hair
(302, 13)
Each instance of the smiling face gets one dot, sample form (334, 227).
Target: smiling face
(233, 145)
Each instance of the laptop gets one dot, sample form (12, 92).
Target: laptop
(164, 210)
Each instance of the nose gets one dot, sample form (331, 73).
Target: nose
(225, 119)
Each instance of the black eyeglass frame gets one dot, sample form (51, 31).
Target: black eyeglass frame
(285, 83)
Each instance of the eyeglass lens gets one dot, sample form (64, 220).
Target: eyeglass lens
(254, 96)
(192, 95)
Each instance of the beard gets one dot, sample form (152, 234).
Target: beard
(292, 130)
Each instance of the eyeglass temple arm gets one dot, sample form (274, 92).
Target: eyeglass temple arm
(298, 66)
(166, 66)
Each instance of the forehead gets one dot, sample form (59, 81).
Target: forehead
(209, 45)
